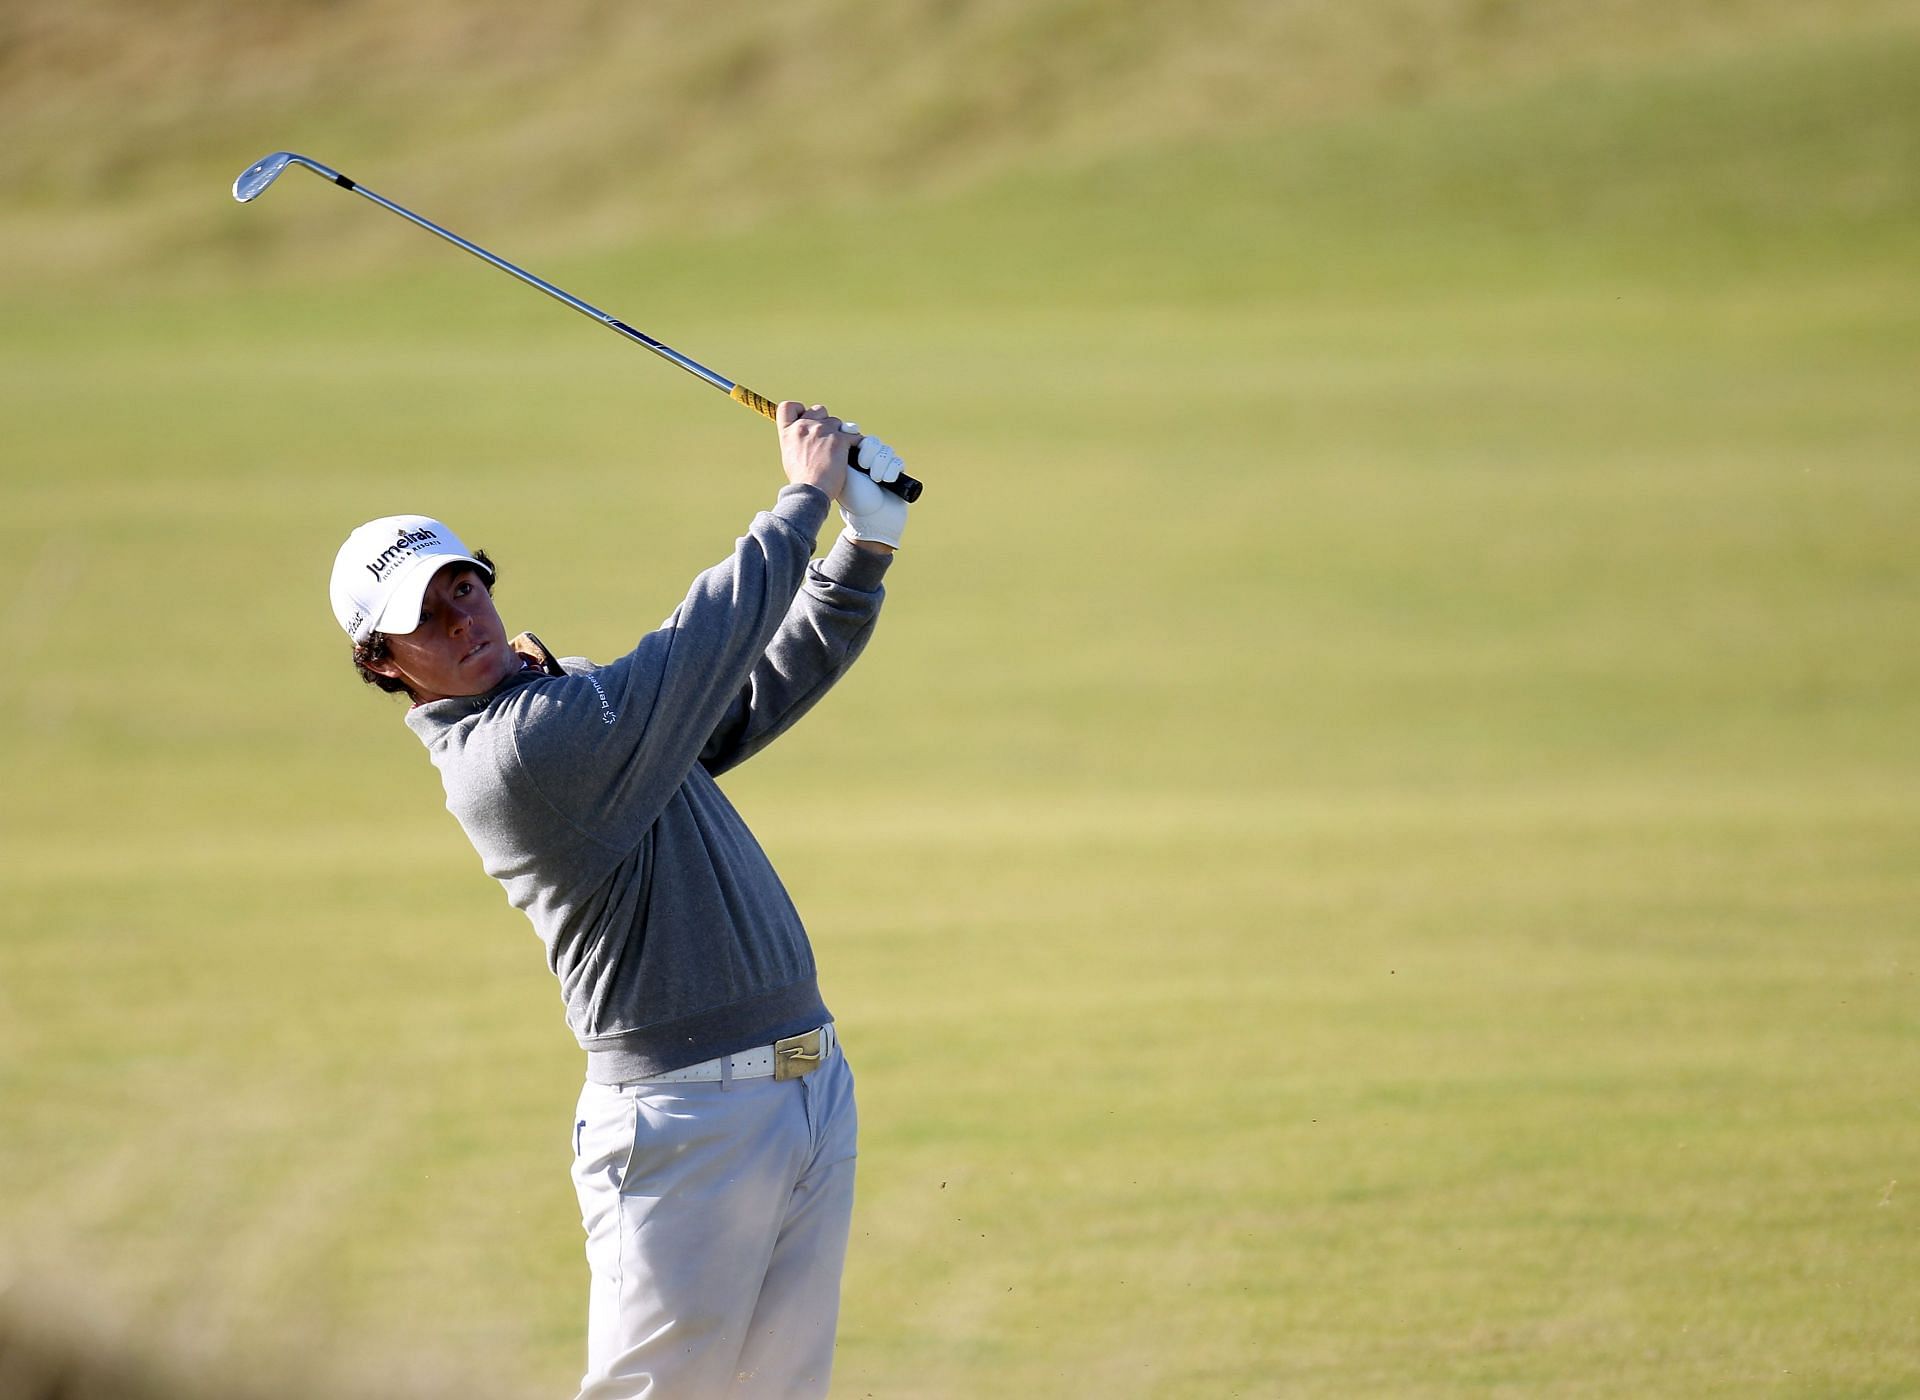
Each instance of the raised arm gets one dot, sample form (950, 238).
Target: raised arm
(616, 742)
(822, 634)
(830, 621)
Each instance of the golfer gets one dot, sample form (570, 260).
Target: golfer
(715, 1136)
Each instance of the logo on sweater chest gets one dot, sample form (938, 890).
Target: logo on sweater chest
(607, 716)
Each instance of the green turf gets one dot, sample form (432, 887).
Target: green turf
(1374, 852)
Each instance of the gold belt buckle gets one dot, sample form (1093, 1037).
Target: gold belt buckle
(798, 1055)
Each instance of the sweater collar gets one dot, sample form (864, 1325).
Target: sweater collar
(431, 718)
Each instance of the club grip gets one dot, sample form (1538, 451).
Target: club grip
(907, 488)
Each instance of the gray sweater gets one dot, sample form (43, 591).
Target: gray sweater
(591, 797)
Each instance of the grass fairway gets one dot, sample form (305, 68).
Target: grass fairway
(1392, 748)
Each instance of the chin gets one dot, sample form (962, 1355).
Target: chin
(505, 661)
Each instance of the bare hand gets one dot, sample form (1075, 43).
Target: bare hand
(813, 449)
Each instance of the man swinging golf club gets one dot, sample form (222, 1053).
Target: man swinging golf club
(715, 1136)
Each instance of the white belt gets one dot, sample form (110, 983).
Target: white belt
(791, 1058)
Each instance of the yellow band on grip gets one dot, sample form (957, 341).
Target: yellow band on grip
(742, 394)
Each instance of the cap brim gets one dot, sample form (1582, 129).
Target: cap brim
(401, 615)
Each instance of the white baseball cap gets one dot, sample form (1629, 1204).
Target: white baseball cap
(381, 573)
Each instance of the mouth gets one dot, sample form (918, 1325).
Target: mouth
(478, 647)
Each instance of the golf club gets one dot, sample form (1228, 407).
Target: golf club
(255, 178)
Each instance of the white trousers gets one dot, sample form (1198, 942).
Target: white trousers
(717, 1219)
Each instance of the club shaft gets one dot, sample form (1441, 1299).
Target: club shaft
(258, 176)
(667, 352)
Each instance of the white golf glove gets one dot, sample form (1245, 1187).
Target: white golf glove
(869, 512)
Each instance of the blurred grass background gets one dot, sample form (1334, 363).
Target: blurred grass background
(1396, 745)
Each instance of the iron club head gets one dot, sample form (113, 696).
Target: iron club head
(263, 172)
(259, 175)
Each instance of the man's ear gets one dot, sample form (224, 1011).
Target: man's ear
(385, 667)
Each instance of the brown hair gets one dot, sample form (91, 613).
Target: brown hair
(375, 648)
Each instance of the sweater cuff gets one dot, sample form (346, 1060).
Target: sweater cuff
(859, 569)
(803, 507)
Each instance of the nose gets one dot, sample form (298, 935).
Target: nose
(455, 614)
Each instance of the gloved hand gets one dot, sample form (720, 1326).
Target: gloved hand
(871, 513)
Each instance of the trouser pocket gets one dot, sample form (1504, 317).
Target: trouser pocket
(603, 1130)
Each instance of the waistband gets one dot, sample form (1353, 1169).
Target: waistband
(787, 1058)
(622, 1057)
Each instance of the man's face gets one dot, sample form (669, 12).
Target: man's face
(460, 646)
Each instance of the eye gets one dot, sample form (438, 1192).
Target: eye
(465, 587)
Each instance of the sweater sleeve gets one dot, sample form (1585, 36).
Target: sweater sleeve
(822, 634)
(608, 747)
